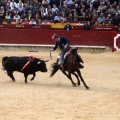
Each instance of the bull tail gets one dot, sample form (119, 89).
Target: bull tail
(3, 61)
(54, 69)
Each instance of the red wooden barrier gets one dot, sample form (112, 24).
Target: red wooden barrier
(43, 37)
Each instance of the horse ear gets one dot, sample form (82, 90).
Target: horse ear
(38, 62)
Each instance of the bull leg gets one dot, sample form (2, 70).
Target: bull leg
(11, 76)
(25, 75)
(79, 73)
(33, 76)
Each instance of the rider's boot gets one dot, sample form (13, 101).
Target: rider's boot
(81, 66)
(79, 59)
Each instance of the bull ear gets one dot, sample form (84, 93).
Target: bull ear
(38, 62)
(46, 60)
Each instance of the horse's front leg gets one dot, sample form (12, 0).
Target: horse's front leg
(74, 85)
(77, 78)
(69, 77)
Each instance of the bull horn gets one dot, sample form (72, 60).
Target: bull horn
(46, 60)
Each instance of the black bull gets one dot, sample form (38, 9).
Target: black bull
(26, 65)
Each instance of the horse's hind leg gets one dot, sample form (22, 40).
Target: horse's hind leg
(10, 74)
(69, 77)
(79, 73)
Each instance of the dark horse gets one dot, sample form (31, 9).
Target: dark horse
(71, 66)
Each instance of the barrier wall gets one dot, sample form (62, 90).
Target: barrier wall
(43, 36)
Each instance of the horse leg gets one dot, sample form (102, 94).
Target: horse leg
(74, 85)
(33, 76)
(10, 74)
(79, 73)
(25, 75)
(77, 78)
(69, 77)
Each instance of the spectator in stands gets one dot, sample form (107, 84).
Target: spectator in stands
(37, 17)
(101, 19)
(87, 26)
(13, 4)
(74, 10)
(2, 12)
(8, 17)
(68, 26)
(110, 23)
(57, 18)
(45, 22)
(70, 16)
(109, 17)
(63, 18)
(17, 19)
(45, 3)
(32, 22)
(96, 23)
(54, 8)
(26, 8)
(7, 7)
(116, 19)
(80, 24)
(39, 22)
(68, 3)
(25, 22)
(29, 15)
(103, 24)
(118, 29)
(49, 9)
(118, 9)
(50, 16)
(55, 2)
(23, 16)
(20, 9)
(19, 3)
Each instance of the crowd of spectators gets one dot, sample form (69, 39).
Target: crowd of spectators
(41, 11)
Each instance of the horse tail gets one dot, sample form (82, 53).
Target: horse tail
(54, 69)
(3, 62)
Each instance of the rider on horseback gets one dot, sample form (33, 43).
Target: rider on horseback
(64, 45)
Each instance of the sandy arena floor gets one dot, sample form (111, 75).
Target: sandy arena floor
(55, 99)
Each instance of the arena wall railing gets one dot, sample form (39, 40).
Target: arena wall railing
(42, 38)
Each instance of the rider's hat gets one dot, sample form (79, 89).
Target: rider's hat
(55, 36)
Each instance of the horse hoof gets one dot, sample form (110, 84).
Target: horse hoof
(74, 85)
(87, 88)
(13, 80)
(78, 84)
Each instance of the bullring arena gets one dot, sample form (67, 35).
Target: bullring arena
(55, 98)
